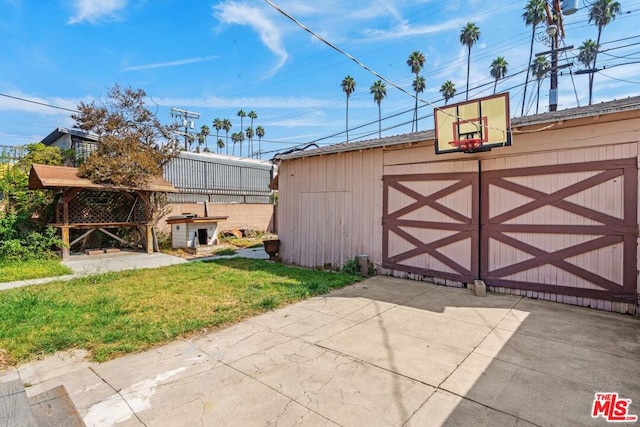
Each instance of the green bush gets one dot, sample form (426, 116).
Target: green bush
(17, 243)
(352, 266)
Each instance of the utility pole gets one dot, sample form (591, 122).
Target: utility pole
(187, 122)
(554, 30)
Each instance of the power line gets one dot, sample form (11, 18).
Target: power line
(38, 103)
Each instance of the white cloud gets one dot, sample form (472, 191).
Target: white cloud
(231, 12)
(170, 63)
(416, 30)
(260, 102)
(94, 11)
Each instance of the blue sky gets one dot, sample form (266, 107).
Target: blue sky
(218, 57)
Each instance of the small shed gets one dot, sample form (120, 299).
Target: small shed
(190, 231)
(82, 204)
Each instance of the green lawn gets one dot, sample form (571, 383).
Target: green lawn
(116, 313)
(24, 270)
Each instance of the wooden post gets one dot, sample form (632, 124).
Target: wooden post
(65, 242)
(67, 195)
(149, 238)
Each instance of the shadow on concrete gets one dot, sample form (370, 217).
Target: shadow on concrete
(512, 360)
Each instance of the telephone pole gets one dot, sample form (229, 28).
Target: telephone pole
(187, 122)
(555, 30)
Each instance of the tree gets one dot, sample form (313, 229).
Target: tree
(236, 138)
(448, 90)
(498, 70)
(416, 61)
(468, 37)
(202, 136)
(418, 86)
(379, 91)
(221, 144)
(534, 15)
(133, 146)
(348, 87)
(588, 52)
(602, 12)
(218, 125)
(260, 135)
(249, 132)
(226, 125)
(24, 213)
(252, 115)
(540, 69)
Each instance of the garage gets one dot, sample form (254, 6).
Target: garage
(554, 216)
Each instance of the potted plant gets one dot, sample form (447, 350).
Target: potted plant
(272, 247)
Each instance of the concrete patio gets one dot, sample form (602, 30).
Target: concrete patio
(384, 352)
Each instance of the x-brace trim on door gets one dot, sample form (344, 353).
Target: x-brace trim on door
(464, 226)
(609, 230)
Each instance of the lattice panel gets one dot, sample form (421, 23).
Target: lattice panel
(95, 207)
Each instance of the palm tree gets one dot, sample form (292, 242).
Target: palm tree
(468, 37)
(235, 137)
(259, 134)
(252, 115)
(218, 125)
(249, 132)
(534, 15)
(418, 86)
(448, 90)
(348, 86)
(242, 139)
(221, 145)
(242, 115)
(227, 125)
(588, 52)
(202, 136)
(498, 70)
(540, 68)
(602, 12)
(416, 61)
(379, 91)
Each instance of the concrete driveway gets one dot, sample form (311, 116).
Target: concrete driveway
(384, 352)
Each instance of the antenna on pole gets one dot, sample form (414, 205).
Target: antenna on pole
(187, 123)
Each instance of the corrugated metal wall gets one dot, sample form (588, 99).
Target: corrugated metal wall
(218, 180)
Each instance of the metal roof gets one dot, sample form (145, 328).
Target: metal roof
(60, 132)
(226, 160)
(46, 176)
(610, 107)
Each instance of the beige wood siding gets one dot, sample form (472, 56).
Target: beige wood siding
(331, 205)
(330, 208)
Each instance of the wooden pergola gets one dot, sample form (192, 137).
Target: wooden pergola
(85, 205)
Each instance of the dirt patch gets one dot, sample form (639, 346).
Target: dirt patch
(5, 361)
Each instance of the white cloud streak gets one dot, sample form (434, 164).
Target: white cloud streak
(259, 102)
(176, 63)
(238, 13)
(95, 11)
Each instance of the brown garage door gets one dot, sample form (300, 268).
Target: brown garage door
(568, 229)
(430, 224)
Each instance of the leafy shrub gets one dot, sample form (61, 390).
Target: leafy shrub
(164, 240)
(352, 266)
(20, 244)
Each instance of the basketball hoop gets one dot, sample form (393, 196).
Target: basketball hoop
(467, 144)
